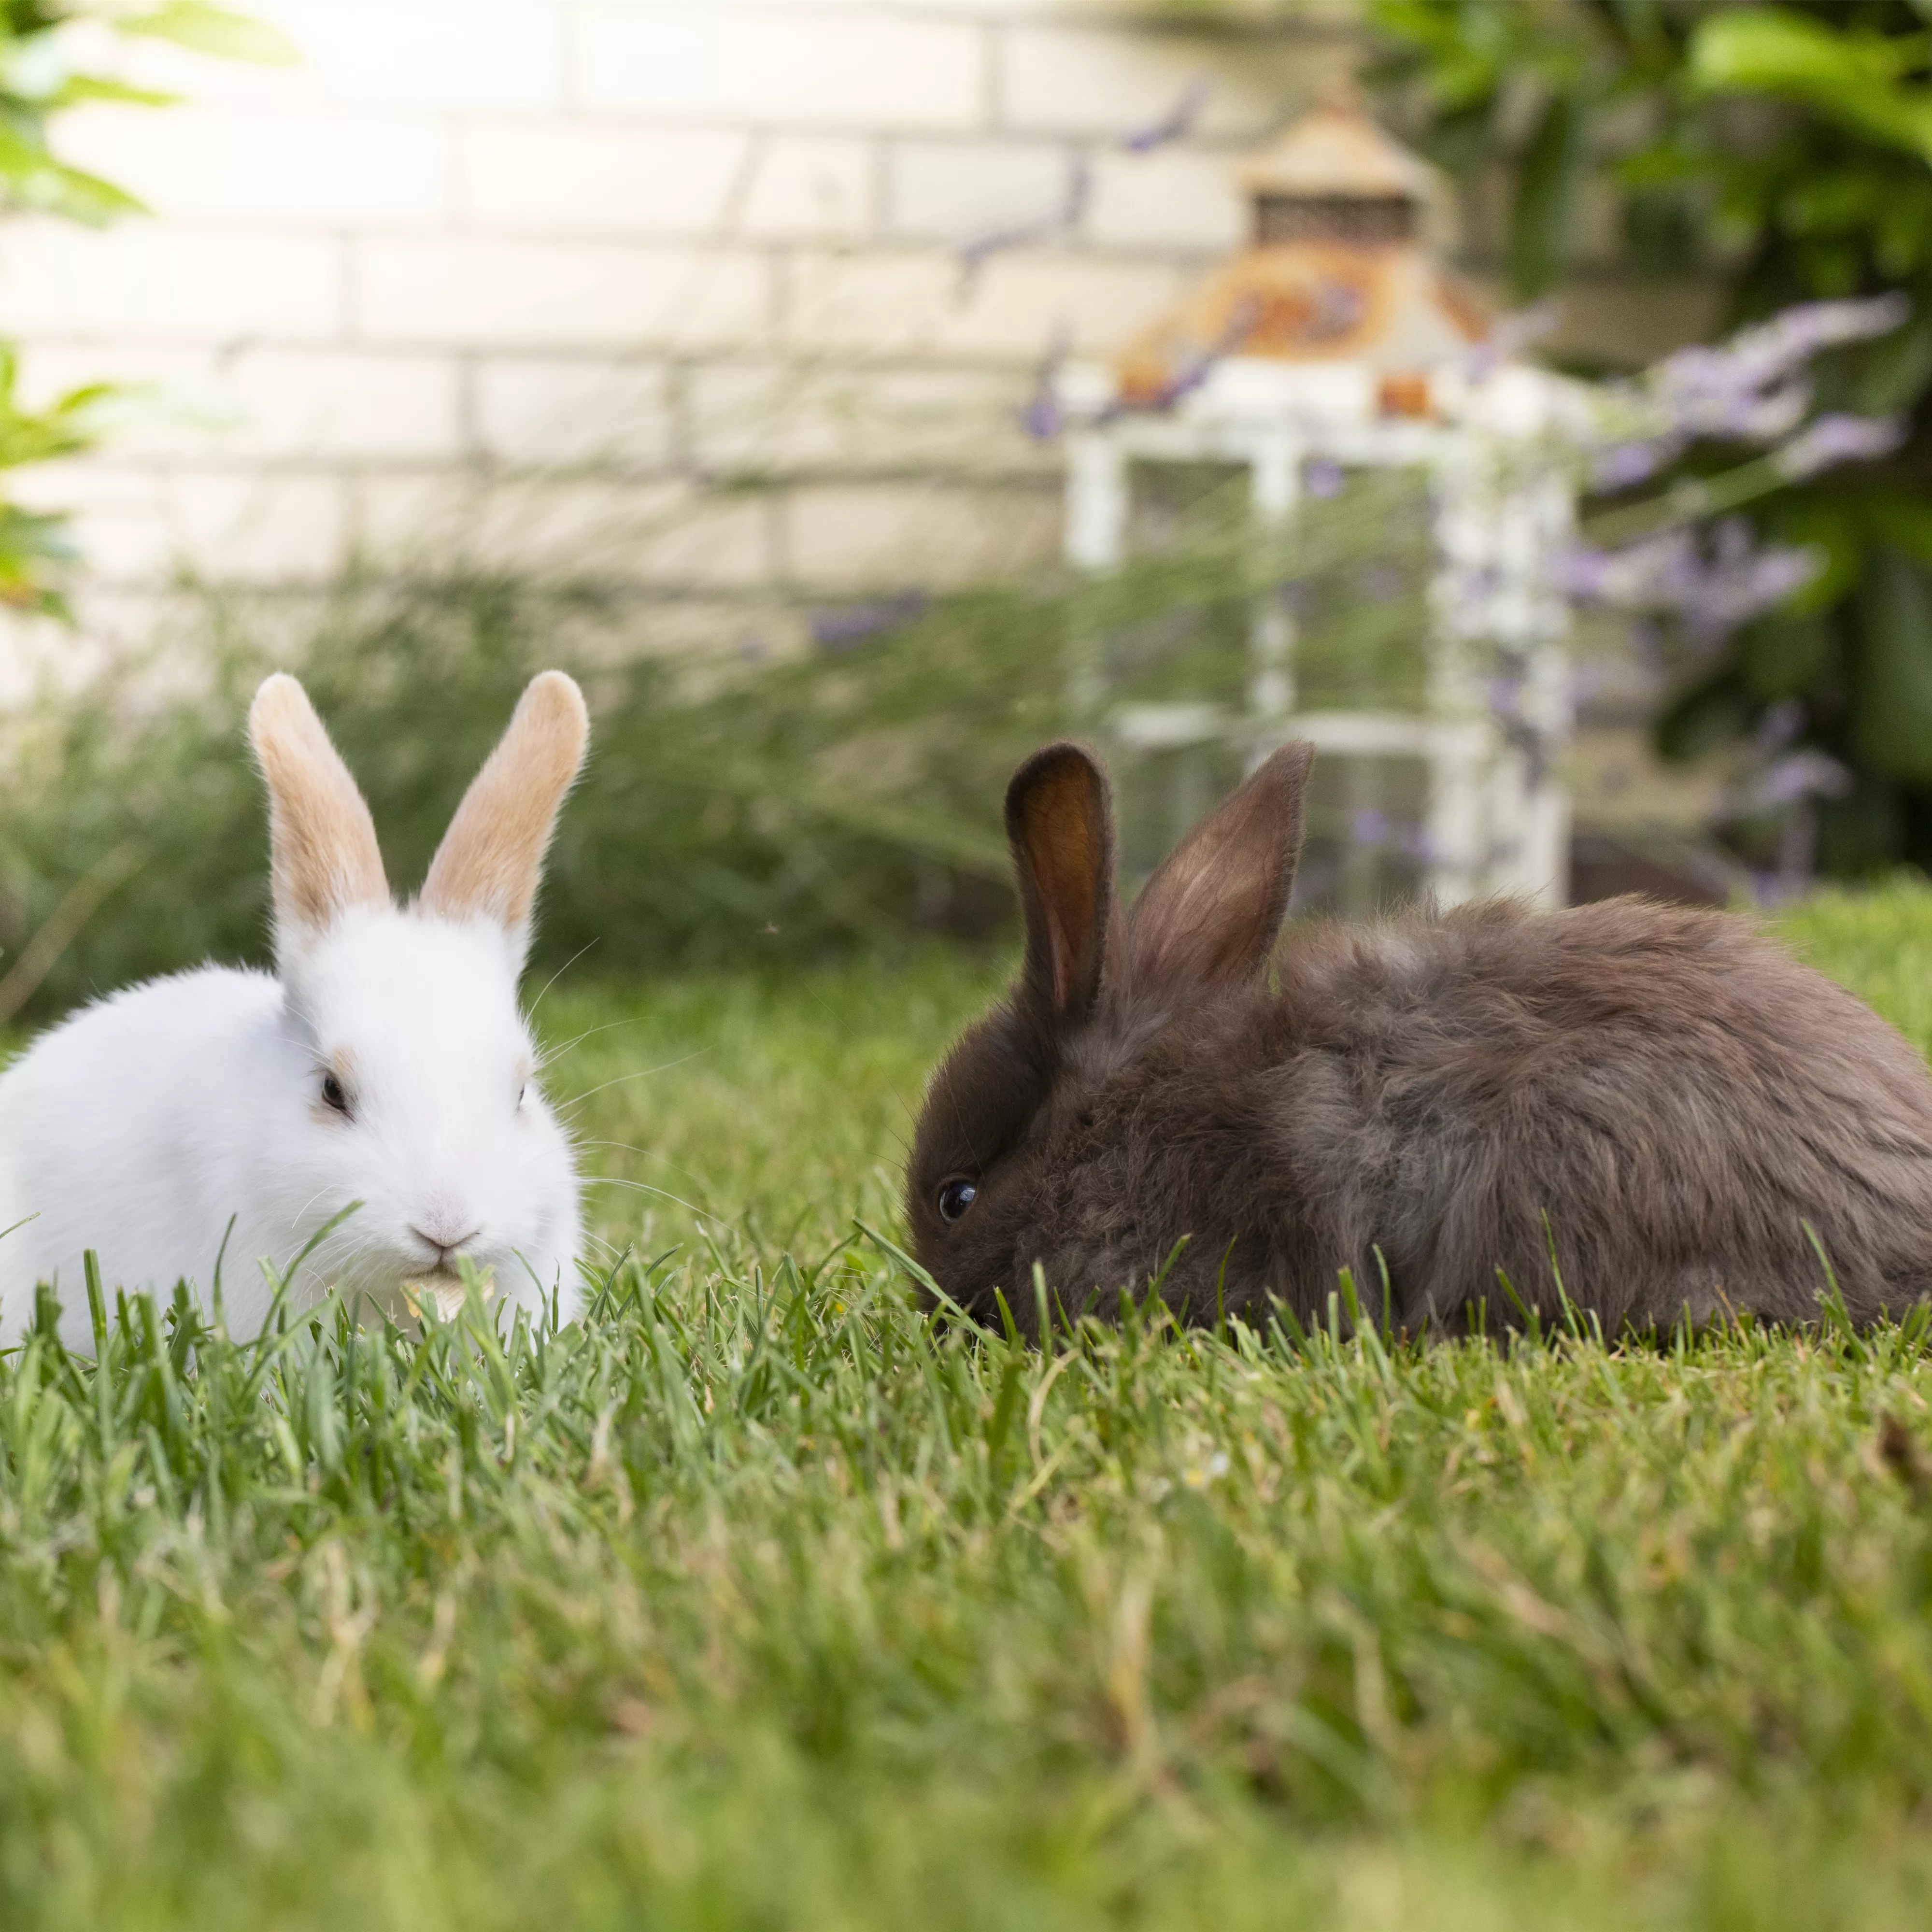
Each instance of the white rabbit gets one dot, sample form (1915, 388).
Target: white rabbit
(386, 1062)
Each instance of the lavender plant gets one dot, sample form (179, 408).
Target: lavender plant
(1690, 455)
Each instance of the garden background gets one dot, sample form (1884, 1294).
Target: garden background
(698, 346)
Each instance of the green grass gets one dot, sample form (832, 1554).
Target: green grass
(758, 1605)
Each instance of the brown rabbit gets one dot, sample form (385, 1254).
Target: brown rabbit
(1661, 1097)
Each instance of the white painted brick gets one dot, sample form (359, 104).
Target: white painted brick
(776, 417)
(478, 54)
(473, 55)
(544, 412)
(535, 294)
(884, 304)
(295, 403)
(1112, 81)
(263, 529)
(146, 282)
(175, 405)
(1022, 303)
(295, 170)
(663, 534)
(1174, 199)
(787, 67)
(951, 190)
(808, 187)
(274, 403)
(1014, 306)
(559, 178)
(853, 537)
(137, 526)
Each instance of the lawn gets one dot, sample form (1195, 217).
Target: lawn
(758, 1604)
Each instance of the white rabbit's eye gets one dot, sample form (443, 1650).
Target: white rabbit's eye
(956, 1196)
(520, 1092)
(333, 1096)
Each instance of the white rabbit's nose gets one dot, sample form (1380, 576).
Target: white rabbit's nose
(440, 1234)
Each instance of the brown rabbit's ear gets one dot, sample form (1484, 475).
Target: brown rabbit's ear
(1060, 819)
(491, 862)
(322, 850)
(1210, 915)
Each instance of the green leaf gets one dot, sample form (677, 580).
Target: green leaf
(81, 87)
(33, 178)
(1542, 219)
(1708, 716)
(1784, 656)
(1903, 523)
(214, 30)
(1826, 522)
(1892, 692)
(1855, 77)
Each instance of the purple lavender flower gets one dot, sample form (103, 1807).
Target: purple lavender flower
(846, 628)
(1800, 775)
(1628, 463)
(1837, 439)
(1177, 122)
(1323, 477)
(1041, 416)
(976, 252)
(1720, 599)
(1750, 389)
(1667, 573)
(1505, 697)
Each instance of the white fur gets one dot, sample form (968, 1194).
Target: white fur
(141, 1125)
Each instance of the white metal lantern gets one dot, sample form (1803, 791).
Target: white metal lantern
(1336, 336)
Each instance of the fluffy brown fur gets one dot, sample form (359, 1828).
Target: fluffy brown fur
(1661, 1097)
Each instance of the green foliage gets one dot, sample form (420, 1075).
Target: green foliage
(1785, 152)
(731, 810)
(759, 1601)
(37, 81)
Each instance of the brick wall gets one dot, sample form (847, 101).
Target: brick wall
(524, 282)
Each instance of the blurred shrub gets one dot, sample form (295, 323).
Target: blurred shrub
(1784, 153)
(732, 809)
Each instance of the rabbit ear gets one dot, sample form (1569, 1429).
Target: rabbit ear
(1059, 820)
(1210, 915)
(491, 861)
(323, 855)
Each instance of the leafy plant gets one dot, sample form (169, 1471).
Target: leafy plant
(1786, 151)
(38, 81)
(735, 808)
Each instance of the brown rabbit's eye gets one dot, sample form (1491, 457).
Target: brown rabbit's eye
(956, 1196)
(332, 1095)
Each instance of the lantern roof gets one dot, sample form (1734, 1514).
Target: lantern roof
(1336, 149)
(1337, 272)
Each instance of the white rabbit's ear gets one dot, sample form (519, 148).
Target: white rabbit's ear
(322, 850)
(1059, 822)
(1211, 915)
(491, 861)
